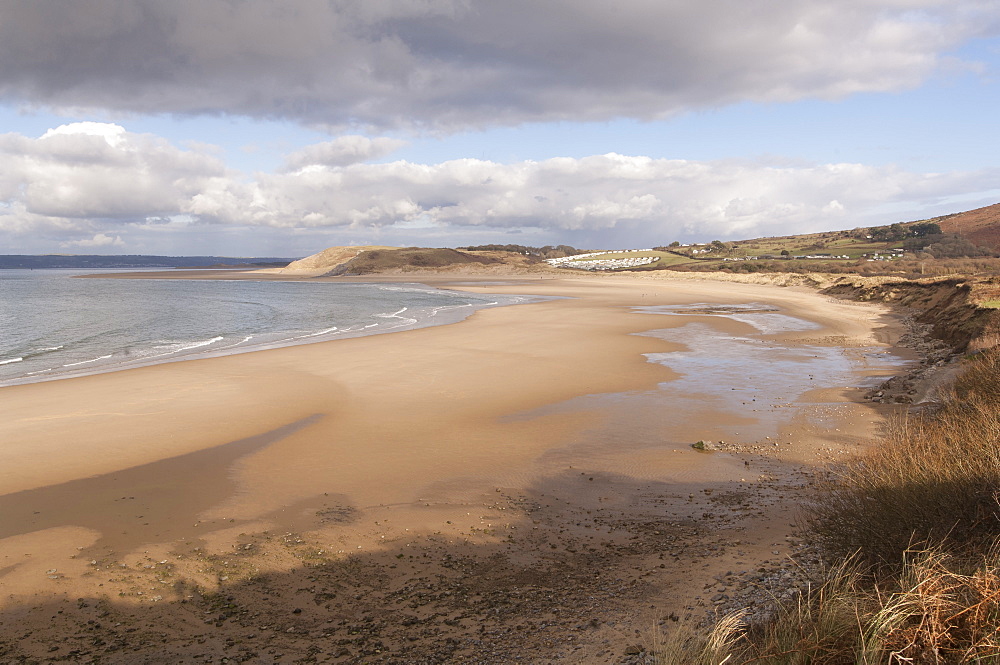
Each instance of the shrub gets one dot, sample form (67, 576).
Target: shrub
(931, 480)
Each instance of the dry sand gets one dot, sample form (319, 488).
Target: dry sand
(514, 486)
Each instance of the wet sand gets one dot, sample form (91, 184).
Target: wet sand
(518, 484)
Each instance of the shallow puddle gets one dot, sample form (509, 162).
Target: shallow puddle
(743, 387)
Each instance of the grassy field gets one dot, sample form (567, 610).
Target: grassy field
(838, 243)
(776, 254)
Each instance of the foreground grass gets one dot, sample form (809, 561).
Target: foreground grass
(939, 610)
(932, 481)
(916, 522)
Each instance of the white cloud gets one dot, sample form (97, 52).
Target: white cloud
(593, 196)
(93, 170)
(113, 135)
(99, 240)
(460, 63)
(86, 185)
(342, 151)
(77, 182)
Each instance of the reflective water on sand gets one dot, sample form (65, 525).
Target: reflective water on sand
(740, 385)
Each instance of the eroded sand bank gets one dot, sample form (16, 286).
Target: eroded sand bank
(518, 483)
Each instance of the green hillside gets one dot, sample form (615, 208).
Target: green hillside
(902, 247)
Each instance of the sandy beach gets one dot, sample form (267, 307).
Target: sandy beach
(517, 485)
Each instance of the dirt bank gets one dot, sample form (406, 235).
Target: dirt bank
(960, 311)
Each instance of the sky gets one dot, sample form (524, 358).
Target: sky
(281, 127)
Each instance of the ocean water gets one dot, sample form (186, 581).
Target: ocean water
(54, 326)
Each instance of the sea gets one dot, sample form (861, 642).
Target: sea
(54, 325)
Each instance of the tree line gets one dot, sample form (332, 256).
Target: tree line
(546, 252)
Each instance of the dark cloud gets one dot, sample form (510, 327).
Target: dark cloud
(447, 64)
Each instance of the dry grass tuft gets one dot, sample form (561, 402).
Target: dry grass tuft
(822, 626)
(932, 480)
(933, 613)
(984, 342)
(686, 646)
(938, 615)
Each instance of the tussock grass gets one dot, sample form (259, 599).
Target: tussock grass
(938, 614)
(984, 342)
(939, 610)
(821, 626)
(932, 480)
(686, 646)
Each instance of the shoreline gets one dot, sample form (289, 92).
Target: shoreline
(457, 443)
(141, 352)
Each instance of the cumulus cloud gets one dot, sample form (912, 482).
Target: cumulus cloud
(99, 240)
(81, 177)
(459, 63)
(90, 184)
(97, 170)
(590, 197)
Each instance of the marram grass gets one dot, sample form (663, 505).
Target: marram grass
(936, 611)
(932, 480)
